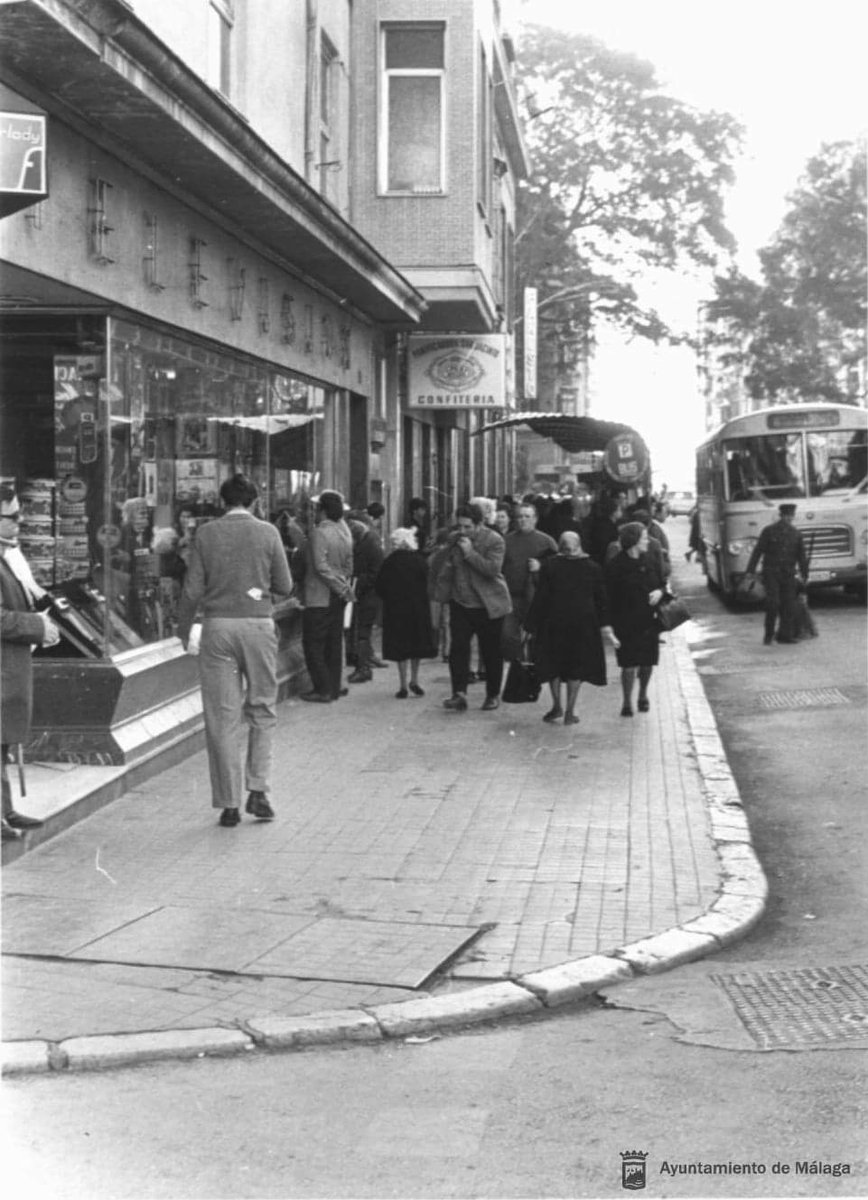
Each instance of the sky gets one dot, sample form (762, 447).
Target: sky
(794, 75)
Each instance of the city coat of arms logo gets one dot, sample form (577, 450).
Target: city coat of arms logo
(457, 371)
(633, 1169)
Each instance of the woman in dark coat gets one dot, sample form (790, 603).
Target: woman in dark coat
(568, 614)
(402, 585)
(635, 587)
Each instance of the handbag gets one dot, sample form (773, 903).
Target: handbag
(523, 684)
(672, 612)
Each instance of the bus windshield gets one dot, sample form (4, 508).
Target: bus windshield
(781, 466)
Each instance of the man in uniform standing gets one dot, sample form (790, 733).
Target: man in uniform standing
(782, 550)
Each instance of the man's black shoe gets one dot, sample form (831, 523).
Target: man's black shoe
(342, 692)
(18, 821)
(258, 806)
(490, 703)
(360, 676)
(768, 639)
(787, 641)
(315, 698)
(229, 817)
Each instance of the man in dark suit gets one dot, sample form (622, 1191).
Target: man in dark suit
(21, 628)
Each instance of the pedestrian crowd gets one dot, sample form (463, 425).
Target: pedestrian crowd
(510, 581)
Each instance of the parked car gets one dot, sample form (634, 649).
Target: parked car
(681, 504)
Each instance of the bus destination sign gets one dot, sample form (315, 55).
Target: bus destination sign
(811, 418)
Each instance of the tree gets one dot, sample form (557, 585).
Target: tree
(625, 179)
(801, 331)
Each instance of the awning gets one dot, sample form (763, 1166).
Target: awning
(270, 425)
(573, 434)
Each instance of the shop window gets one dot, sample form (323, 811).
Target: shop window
(412, 129)
(118, 437)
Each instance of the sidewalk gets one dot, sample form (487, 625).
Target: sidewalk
(426, 869)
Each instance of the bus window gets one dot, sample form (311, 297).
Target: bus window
(767, 465)
(837, 460)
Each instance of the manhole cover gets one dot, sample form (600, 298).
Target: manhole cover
(804, 698)
(809, 1007)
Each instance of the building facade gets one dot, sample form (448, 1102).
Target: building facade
(438, 156)
(203, 283)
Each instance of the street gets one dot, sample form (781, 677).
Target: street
(546, 1106)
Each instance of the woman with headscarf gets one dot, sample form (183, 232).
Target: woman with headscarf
(568, 615)
(402, 585)
(635, 586)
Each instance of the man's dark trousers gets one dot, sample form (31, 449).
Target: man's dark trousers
(323, 643)
(464, 623)
(781, 600)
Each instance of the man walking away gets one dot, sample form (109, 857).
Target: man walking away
(782, 550)
(238, 565)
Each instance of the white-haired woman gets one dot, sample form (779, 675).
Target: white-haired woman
(402, 585)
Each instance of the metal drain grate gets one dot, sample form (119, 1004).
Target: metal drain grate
(810, 1007)
(804, 698)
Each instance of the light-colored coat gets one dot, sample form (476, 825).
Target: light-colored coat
(329, 563)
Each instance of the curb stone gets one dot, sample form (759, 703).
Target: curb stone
(26, 1058)
(454, 1008)
(317, 1029)
(123, 1049)
(733, 914)
(575, 980)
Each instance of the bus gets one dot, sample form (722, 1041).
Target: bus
(812, 454)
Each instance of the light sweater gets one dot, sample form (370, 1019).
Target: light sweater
(231, 558)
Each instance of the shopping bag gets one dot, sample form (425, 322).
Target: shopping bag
(672, 612)
(522, 684)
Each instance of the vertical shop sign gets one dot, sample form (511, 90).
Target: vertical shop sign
(530, 343)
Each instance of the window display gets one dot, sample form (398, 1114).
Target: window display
(136, 429)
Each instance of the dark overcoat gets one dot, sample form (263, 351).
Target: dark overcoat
(568, 608)
(629, 582)
(20, 628)
(402, 585)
